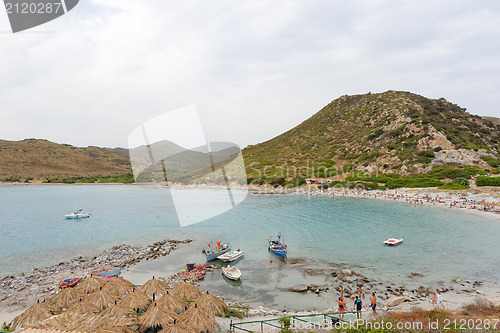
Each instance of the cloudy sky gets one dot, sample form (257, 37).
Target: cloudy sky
(253, 68)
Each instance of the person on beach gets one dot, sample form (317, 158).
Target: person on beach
(342, 305)
(439, 299)
(357, 306)
(360, 291)
(433, 300)
(374, 304)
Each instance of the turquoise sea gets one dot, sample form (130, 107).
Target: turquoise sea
(441, 244)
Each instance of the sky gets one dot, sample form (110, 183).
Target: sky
(252, 68)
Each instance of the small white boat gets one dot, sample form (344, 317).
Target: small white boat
(393, 241)
(231, 272)
(79, 214)
(231, 255)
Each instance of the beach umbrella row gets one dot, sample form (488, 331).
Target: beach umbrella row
(103, 310)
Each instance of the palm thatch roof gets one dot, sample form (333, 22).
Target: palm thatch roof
(90, 285)
(135, 302)
(154, 287)
(33, 315)
(155, 318)
(211, 304)
(199, 320)
(102, 299)
(82, 308)
(119, 286)
(171, 302)
(65, 298)
(187, 291)
(177, 327)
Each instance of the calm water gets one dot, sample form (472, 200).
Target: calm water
(441, 244)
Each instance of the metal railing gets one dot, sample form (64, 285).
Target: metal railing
(274, 323)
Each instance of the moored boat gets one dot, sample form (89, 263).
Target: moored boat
(231, 255)
(393, 241)
(215, 250)
(106, 272)
(79, 214)
(231, 272)
(278, 246)
(69, 283)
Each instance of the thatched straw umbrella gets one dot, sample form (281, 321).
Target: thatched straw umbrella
(114, 316)
(119, 286)
(178, 328)
(90, 285)
(199, 320)
(154, 287)
(170, 302)
(187, 291)
(65, 298)
(102, 299)
(82, 308)
(135, 301)
(33, 315)
(155, 318)
(211, 304)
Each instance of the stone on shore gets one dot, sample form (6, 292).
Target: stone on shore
(299, 288)
(395, 301)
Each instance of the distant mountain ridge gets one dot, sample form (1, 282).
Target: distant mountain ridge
(42, 160)
(392, 132)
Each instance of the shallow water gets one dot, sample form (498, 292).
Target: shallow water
(441, 244)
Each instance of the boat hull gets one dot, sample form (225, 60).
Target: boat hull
(77, 216)
(231, 272)
(393, 241)
(279, 252)
(107, 272)
(228, 257)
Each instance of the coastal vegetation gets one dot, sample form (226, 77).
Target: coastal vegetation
(414, 140)
(385, 140)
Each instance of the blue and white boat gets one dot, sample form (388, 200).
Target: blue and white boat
(215, 250)
(278, 246)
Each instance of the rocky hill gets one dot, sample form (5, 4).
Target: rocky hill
(34, 160)
(393, 132)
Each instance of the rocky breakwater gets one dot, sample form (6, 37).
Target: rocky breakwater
(24, 289)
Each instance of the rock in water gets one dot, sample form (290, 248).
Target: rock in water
(299, 288)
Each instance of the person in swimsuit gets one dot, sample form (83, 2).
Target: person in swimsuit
(374, 304)
(439, 300)
(357, 307)
(341, 307)
(433, 300)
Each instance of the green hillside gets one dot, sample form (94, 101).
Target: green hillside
(395, 133)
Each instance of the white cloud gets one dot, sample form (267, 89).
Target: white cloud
(253, 68)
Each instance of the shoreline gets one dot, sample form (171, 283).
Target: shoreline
(18, 292)
(411, 196)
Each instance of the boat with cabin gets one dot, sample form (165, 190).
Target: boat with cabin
(215, 250)
(278, 246)
(78, 214)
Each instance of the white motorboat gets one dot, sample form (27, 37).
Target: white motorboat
(393, 241)
(231, 255)
(231, 272)
(79, 214)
